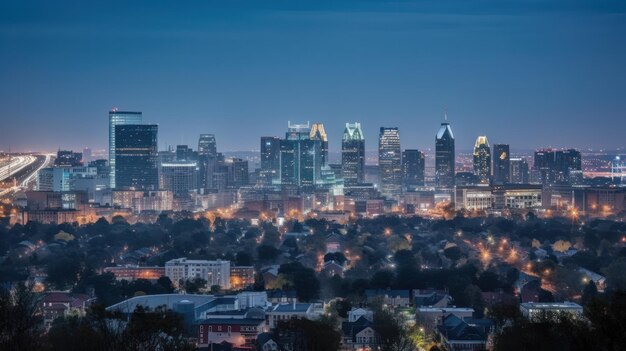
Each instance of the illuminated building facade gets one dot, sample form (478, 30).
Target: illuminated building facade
(501, 164)
(390, 162)
(179, 177)
(241, 277)
(139, 200)
(131, 273)
(318, 133)
(413, 166)
(300, 157)
(482, 160)
(473, 198)
(66, 158)
(214, 272)
(353, 154)
(518, 171)
(270, 160)
(558, 166)
(118, 118)
(136, 157)
(207, 155)
(444, 157)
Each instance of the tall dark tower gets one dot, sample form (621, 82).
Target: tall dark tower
(353, 154)
(501, 164)
(444, 156)
(413, 168)
(136, 157)
(207, 159)
(270, 160)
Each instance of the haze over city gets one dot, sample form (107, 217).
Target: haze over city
(527, 73)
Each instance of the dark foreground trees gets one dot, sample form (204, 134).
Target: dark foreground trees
(603, 329)
(144, 329)
(20, 324)
(21, 328)
(307, 335)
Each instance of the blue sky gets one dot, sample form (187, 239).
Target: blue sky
(528, 73)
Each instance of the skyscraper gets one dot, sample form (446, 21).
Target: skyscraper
(558, 166)
(300, 157)
(180, 177)
(118, 118)
(207, 145)
(207, 155)
(318, 133)
(185, 153)
(136, 156)
(519, 171)
(390, 162)
(482, 160)
(501, 164)
(270, 160)
(444, 156)
(413, 168)
(353, 154)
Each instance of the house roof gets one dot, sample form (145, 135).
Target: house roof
(468, 329)
(292, 307)
(351, 329)
(386, 292)
(232, 321)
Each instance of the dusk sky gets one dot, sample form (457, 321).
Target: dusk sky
(528, 73)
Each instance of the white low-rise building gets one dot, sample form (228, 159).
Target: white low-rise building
(288, 311)
(214, 272)
(535, 310)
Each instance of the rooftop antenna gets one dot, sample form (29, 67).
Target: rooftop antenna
(445, 114)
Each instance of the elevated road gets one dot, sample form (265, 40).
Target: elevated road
(17, 163)
(26, 174)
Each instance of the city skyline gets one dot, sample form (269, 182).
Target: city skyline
(556, 65)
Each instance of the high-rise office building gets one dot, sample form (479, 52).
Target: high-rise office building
(136, 156)
(318, 133)
(413, 167)
(179, 177)
(237, 172)
(207, 145)
(185, 153)
(519, 171)
(482, 160)
(353, 154)
(207, 159)
(300, 157)
(501, 164)
(118, 118)
(444, 157)
(390, 162)
(270, 160)
(68, 158)
(558, 166)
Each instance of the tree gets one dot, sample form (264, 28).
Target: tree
(392, 334)
(192, 286)
(307, 335)
(589, 292)
(63, 270)
(267, 252)
(99, 330)
(303, 280)
(20, 321)
(452, 253)
(615, 277)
